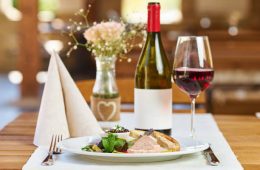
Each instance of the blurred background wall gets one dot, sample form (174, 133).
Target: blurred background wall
(31, 28)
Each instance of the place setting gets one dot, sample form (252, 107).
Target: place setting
(70, 134)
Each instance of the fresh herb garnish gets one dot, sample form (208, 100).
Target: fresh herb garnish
(108, 144)
(121, 145)
(118, 129)
(112, 142)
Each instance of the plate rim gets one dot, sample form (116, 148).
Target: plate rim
(130, 155)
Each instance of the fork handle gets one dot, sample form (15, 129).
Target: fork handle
(48, 161)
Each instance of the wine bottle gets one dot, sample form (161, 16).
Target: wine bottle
(153, 87)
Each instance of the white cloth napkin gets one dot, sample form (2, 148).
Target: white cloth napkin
(63, 109)
(207, 130)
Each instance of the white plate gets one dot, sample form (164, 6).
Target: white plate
(74, 145)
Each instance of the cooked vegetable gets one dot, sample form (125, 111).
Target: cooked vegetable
(96, 148)
(87, 148)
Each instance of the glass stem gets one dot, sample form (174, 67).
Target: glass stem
(192, 127)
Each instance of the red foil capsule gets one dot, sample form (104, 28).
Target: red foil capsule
(153, 24)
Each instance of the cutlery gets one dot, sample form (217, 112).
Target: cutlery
(211, 157)
(48, 161)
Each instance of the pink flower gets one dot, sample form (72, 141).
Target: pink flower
(105, 31)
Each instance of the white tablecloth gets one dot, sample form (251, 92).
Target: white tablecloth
(207, 130)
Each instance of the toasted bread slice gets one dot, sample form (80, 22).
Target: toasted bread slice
(163, 140)
(166, 141)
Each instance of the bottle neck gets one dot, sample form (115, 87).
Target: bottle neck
(153, 23)
(154, 34)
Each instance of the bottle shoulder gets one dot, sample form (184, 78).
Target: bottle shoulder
(153, 52)
(153, 68)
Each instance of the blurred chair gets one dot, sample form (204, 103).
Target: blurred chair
(181, 101)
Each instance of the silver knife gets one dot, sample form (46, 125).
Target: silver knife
(211, 157)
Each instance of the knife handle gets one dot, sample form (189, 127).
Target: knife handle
(212, 159)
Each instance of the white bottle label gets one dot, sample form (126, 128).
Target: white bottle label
(153, 108)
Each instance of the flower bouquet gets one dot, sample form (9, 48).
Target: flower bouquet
(107, 41)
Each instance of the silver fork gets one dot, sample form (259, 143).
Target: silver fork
(48, 161)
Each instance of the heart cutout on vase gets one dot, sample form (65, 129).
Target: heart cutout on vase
(106, 110)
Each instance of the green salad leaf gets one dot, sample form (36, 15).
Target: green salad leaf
(120, 145)
(111, 142)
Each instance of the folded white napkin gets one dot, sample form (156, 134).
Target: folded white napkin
(63, 109)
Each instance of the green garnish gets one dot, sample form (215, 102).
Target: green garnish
(112, 142)
(87, 148)
(109, 142)
(120, 145)
(119, 128)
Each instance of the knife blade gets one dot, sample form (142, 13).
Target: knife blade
(211, 157)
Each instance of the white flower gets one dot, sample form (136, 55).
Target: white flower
(105, 31)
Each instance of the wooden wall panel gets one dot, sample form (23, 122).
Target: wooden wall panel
(29, 58)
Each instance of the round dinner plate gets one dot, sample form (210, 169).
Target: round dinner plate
(74, 145)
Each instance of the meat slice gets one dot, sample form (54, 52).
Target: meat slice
(146, 144)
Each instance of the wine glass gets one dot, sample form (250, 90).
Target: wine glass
(193, 68)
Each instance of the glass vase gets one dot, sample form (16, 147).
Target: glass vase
(105, 101)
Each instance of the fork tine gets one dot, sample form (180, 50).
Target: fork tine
(54, 144)
(50, 148)
(60, 140)
(57, 149)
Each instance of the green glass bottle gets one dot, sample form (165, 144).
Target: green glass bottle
(153, 86)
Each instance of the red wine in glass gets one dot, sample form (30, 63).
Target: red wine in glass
(193, 80)
(193, 68)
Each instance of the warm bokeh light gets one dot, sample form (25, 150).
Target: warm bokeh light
(55, 45)
(134, 11)
(41, 77)
(233, 31)
(10, 11)
(15, 77)
(46, 16)
(57, 23)
(205, 22)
